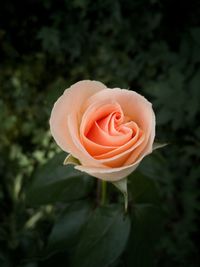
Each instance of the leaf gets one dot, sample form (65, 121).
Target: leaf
(54, 182)
(145, 234)
(193, 101)
(122, 186)
(157, 145)
(195, 32)
(103, 239)
(143, 189)
(71, 160)
(152, 166)
(146, 221)
(4, 261)
(66, 230)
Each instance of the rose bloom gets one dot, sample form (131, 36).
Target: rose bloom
(108, 130)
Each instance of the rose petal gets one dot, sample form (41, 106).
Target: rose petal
(126, 146)
(122, 141)
(147, 145)
(135, 106)
(79, 150)
(70, 102)
(109, 174)
(138, 109)
(92, 114)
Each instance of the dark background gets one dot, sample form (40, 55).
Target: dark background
(150, 46)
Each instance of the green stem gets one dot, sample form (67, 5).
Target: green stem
(103, 192)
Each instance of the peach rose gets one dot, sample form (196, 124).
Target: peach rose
(108, 130)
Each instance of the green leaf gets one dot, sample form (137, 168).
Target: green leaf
(122, 186)
(4, 261)
(152, 166)
(103, 239)
(54, 182)
(195, 32)
(146, 218)
(66, 230)
(145, 234)
(143, 189)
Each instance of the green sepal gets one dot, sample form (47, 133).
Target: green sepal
(71, 160)
(122, 186)
(157, 145)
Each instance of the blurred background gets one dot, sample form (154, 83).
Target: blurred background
(150, 46)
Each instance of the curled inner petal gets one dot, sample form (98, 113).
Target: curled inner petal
(107, 133)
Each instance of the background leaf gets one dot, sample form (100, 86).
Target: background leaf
(146, 221)
(145, 234)
(103, 239)
(66, 230)
(143, 189)
(54, 182)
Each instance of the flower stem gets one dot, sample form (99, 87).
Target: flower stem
(103, 192)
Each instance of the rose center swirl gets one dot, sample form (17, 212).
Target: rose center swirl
(111, 131)
(105, 129)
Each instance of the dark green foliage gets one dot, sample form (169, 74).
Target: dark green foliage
(57, 183)
(149, 46)
(103, 238)
(146, 230)
(67, 228)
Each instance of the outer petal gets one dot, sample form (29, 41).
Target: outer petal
(147, 147)
(71, 102)
(109, 174)
(79, 150)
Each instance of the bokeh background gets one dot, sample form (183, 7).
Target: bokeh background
(150, 46)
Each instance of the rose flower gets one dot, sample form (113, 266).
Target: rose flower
(108, 130)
